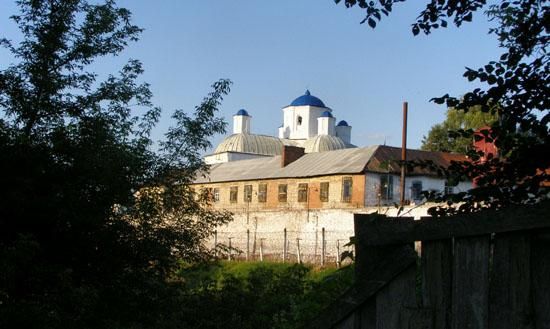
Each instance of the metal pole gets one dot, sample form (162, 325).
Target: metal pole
(404, 152)
(261, 250)
(284, 246)
(229, 254)
(298, 251)
(323, 247)
(338, 253)
(247, 244)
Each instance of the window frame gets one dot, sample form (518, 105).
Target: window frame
(302, 192)
(281, 193)
(386, 193)
(247, 193)
(324, 192)
(347, 198)
(216, 194)
(233, 194)
(416, 190)
(262, 192)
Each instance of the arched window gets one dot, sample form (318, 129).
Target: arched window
(299, 121)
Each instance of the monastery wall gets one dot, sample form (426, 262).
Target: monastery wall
(249, 229)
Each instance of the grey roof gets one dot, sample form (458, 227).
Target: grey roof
(321, 143)
(251, 143)
(346, 161)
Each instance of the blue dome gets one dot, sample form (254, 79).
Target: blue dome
(307, 99)
(326, 114)
(342, 123)
(242, 112)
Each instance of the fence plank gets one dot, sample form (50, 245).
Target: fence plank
(398, 295)
(436, 280)
(510, 297)
(377, 275)
(541, 279)
(368, 314)
(378, 230)
(470, 283)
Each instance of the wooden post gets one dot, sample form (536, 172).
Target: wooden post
(298, 250)
(470, 290)
(323, 247)
(510, 291)
(216, 243)
(247, 244)
(229, 254)
(437, 280)
(337, 253)
(261, 249)
(284, 246)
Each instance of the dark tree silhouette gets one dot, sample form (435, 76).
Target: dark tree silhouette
(518, 82)
(92, 221)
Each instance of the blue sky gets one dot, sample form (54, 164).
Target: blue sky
(274, 50)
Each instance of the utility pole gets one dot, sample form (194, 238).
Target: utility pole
(404, 152)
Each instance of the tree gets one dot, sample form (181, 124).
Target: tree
(518, 82)
(438, 138)
(84, 240)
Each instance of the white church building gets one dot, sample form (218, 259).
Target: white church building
(307, 123)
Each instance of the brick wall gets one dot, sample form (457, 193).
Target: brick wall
(334, 202)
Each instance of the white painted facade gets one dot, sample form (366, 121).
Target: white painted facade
(344, 132)
(427, 183)
(326, 126)
(231, 156)
(300, 122)
(241, 124)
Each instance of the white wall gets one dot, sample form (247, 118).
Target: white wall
(372, 183)
(241, 124)
(307, 129)
(230, 156)
(302, 224)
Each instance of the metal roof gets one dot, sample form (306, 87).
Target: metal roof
(251, 143)
(242, 112)
(307, 99)
(346, 161)
(323, 143)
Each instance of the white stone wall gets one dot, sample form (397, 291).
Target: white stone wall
(307, 226)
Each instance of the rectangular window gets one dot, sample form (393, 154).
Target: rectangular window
(323, 195)
(216, 194)
(247, 193)
(302, 192)
(416, 190)
(346, 189)
(262, 192)
(282, 192)
(386, 187)
(233, 194)
(449, 188)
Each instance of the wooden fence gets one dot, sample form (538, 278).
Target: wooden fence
(487, 270)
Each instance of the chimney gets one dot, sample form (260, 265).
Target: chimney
(291, 154)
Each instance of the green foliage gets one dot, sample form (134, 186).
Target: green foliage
(92, 221)
(518, 82)
(256, 295)
(439, 139)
